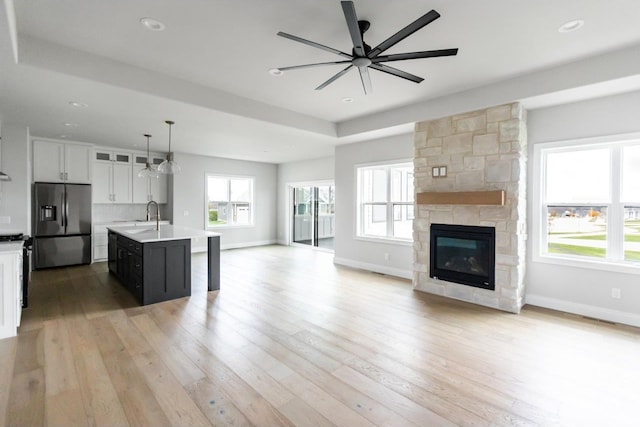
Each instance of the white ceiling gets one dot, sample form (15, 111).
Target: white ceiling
(208, 71)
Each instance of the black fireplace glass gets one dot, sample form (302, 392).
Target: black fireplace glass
(463, 254)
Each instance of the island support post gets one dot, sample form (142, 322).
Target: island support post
(213, 274)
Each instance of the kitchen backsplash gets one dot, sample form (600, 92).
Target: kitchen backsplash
(115, 212)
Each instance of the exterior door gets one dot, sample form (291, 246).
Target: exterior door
(313, 221)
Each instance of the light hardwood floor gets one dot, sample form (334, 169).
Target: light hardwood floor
(292, 340)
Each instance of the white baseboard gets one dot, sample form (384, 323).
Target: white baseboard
(405, 274)
(584, 310)
(195, 249)
(248, 244)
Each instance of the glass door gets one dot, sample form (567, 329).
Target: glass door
(313, 221)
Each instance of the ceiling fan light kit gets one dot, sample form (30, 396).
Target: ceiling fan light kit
(363, 57)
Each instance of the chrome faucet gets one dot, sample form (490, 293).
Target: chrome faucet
(157, 213)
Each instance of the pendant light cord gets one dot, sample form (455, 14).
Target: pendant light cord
(148, 155)
(170, 123)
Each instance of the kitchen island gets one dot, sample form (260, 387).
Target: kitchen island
(155, 265)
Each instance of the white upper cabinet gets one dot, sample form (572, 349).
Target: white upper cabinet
(147, 189)
(55, 161)
(112, 176)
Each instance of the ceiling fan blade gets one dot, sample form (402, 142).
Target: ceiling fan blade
(313, 44)
(295, 67)
(396, 72)
(415, 55)
(425, 19)
(334, 78)
(354, 28)
(366, 79)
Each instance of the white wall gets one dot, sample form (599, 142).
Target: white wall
(571, 289)
(188, 190)
(295, 172)
(361, 253)
(15, 196)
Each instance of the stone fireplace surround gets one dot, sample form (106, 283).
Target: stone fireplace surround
(483, 150)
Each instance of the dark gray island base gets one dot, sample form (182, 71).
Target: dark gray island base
(155, 265)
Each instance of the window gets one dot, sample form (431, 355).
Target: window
(590, 202)
(385, 201)
(229, 201)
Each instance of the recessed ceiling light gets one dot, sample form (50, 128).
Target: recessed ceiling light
(570, 26)
(71, 125)
(77, 104)
(152, 24)
(347, 99)
(63, 136)
(276, 72)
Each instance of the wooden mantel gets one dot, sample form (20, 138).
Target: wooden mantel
(495, 198)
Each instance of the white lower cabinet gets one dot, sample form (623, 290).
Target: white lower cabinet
(10, 292)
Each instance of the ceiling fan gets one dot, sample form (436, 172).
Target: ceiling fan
(363, 57)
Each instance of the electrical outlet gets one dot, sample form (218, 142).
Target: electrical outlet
(185, 213)
(386, 257)
(616, 293)
(5, 220)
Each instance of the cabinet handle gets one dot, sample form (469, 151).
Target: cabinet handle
(66, 176)
(61, 176)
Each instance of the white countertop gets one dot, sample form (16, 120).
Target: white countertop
(166, 232)
(128, 222)
(9, 247)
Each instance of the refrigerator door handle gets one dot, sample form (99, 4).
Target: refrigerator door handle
(62, 214)
(66, 211)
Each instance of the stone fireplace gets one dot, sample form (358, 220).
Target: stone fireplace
(470, 170)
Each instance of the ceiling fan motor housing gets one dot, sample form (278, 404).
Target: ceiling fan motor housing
(363, 57)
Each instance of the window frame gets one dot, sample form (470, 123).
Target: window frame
(615, 207)
(359, 204)
(252, 204)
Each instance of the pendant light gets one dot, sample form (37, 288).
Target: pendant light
(169, 166)
(148, 171)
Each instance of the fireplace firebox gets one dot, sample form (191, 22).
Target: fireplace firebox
(463, 254)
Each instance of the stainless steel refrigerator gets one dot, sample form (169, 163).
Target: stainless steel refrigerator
(62, 224)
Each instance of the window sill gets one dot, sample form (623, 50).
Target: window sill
(385, 240)
(604, 265)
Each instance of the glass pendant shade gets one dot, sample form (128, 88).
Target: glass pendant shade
(169, 166)
(148, 171)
